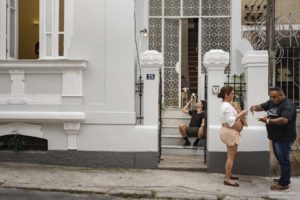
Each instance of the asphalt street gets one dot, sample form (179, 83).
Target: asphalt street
(19, 194)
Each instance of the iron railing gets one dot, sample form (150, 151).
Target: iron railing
(205, 129)
(160, 113)
(139, 88)
(239, 87)
(287, 74)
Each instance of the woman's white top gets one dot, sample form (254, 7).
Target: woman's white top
(228, 114)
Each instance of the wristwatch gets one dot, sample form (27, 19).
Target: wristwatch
(268, 121)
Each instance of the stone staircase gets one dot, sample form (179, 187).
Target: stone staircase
(171, 140)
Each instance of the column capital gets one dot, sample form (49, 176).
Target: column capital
(216, 59)
(151, 59)
(255, 59)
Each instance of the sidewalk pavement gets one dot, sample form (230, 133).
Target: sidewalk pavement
(136, 183)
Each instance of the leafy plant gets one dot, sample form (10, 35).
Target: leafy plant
(17, 142)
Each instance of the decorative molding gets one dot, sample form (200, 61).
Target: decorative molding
(216, 58)
(72, 130)
(255, 59)
(44, 64)
(151, 59)
(21, 128)
(71, 71)
(40, 99)
(72, 83)
(16, 100)
(17, 87)
(45, 117)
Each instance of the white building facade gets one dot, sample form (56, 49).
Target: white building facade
(79, 94)
(68, 74)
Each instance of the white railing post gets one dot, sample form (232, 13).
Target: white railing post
(151, 62)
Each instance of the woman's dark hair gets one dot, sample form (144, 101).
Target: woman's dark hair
(226, 89)
(203, 104)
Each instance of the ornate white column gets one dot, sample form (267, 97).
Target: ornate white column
(151, 62)
(215, 62)
(72, 130)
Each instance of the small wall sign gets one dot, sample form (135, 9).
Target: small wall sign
(215, 89)
(150, 76)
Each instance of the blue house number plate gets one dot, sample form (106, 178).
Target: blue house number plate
(150, 76)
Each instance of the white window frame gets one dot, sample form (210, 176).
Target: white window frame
(2, 29)
(68, 26)
(5, 29)
(54, 33)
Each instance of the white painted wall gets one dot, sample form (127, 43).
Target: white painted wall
(106, 38)
(102, 32)
(254, 137)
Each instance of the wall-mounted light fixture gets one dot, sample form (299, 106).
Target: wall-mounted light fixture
(144, 32)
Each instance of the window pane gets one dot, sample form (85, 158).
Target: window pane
(61, 45)
(48, 16)
(12, 33)
(61, 15)
(49, 45)
(12, 3)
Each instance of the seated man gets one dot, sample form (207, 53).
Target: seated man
(197, 123)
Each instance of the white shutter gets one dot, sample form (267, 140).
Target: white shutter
(2, 29)
(12, 29)
(51, 27)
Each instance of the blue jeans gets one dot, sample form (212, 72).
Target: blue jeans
(282, 152)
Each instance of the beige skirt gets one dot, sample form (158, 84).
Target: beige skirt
(230, 136)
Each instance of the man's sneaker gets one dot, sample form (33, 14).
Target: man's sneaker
(278, 187)
(187, 143)
(195, 144)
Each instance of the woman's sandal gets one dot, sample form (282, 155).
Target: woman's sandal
(234, 178)
(231, 184)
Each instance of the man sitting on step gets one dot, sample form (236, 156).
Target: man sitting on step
(197, 124)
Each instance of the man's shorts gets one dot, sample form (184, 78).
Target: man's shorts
(192, 131)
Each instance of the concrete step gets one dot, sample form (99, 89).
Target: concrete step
(177, 140)
(174, 113)
(172, 130)
(174, 122)
(182, 162)
(180, 150)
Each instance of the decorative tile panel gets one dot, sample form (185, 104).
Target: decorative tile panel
(170, 87)
(215, 7)
(215, 34)
(155, 8)
(191, 7)
(171, 42)
(172, 7)
(155, 35)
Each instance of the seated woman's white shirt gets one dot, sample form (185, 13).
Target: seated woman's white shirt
(228, 114)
